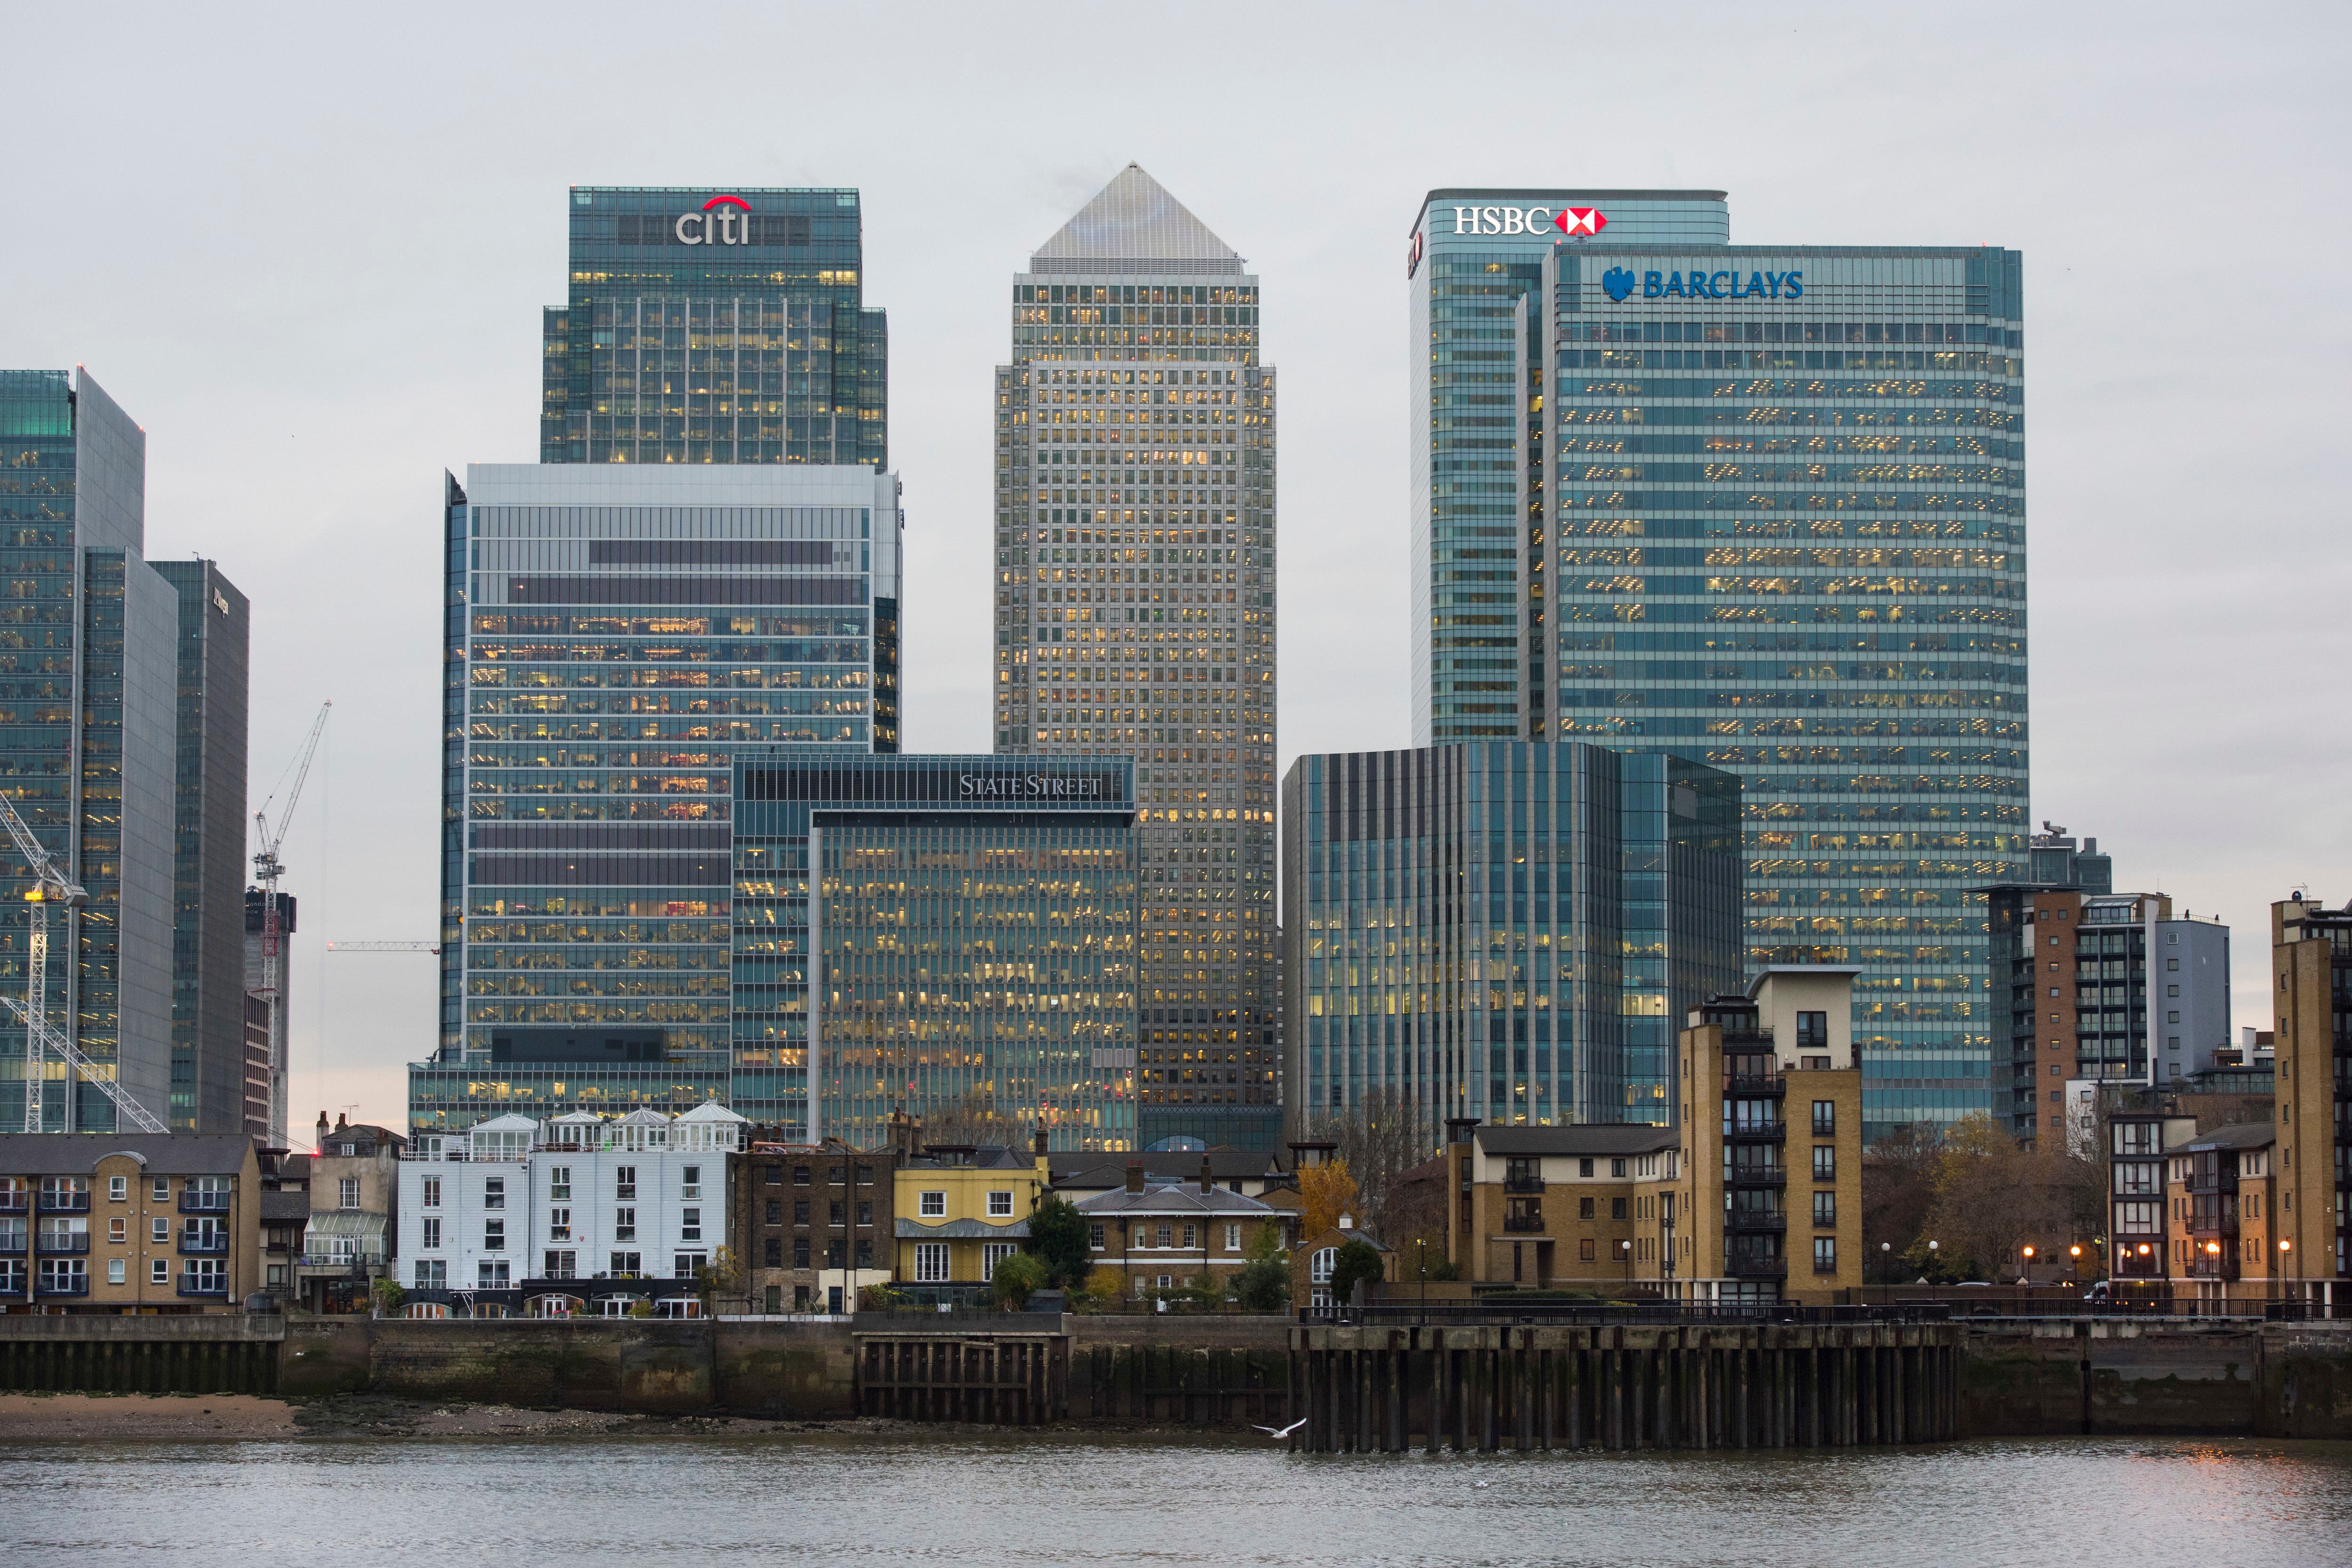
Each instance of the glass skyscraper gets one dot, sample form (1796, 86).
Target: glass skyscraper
(1770, 511)
(1510, 930)
(210, 1093)
(974, 920)
(87, 667)
(617, 637)
(715, 325)
(1135, 614)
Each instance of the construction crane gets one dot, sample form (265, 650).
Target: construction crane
(268, 868)
(51, 885)
(383, 946)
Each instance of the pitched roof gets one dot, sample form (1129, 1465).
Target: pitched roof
(1585, 1138)
(2237, 1135)
(76, 1154)
(1131, 222)
(1095, 1169)
(711, 1111)
(1180, 1200)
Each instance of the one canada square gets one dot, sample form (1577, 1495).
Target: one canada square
(1134, 615)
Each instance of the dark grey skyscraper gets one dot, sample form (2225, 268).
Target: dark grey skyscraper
(86, 667)
(209, 1086)
(1135, 613)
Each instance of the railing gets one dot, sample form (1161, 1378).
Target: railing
(202, 1286)
(15, 1202)
(1754, 1084)
(1523, 1184)
(64, 1203)
(203, 1203)
(1523, 1222)
(1442, 1314)
(340, 1260)
(1755, 1220)
(1756, 1267)
(1739, 1131)
(11, 1246)
(203, 1246)
(1759, 1176)
(65, 1246)
(78, 1287)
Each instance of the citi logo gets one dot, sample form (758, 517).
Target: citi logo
(716, 225)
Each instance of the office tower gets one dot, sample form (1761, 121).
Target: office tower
(208, 992)
(715, 325)
(1770, 506)
(1135, 614)
(617, 635)
(87, 648)
(2099, 989)
(1508, 930)
(277, 1061)
(2311, 960)
(975, 922)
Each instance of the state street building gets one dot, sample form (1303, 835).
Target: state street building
(1763, 506)
(974, 922)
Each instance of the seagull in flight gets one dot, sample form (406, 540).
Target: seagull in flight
(1281, 1431)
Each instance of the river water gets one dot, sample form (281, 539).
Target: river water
(974, 1503)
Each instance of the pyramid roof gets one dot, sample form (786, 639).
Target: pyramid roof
(1130, 222)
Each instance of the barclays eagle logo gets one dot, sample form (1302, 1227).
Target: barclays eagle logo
(1617, 282)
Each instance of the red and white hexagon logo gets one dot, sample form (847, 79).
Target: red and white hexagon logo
(1579, 221)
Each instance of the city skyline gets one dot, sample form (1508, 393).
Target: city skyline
(350, 352)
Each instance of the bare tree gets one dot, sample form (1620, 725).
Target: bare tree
(1897, 1189)
(1993, 1195)
(1381, 1139)
(976, 1120)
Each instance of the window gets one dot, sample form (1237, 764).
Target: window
(431, 1274)
(800, 1211)
(559, 1225)
(1616, 1208)
(1584, 1167)
(1826, 1162)
(1825, 1254)
(2139, 1219)
(1000, 1206)
(432, 1192)
(1812, 1031)
(1166, 1236)
(625, 1225)
(117, 1269)
(561, 1265)
(117, 1229)
(559, 1184)
(772, 1253)
(628, 1265)
(159, 1231)
(771, 1175)
(118, 1190)
(1824, 1118)
(800, 1176)
(1616, 1168)
(932, 1205)
(493, 1235)
(161, 1189)
(1584, 1250)
(624, 1184)
(931, 1260)
(1096, 1238)
(490, 1275)
(159, 1271)
(432, 1236)
(1232, 1237)
(690, 1225)
(1318, 1270)
(203, 1276)
(991, 1253)
(686, 1265)
(1583, 1208)
(1825, 1209)
(799, 1252)
(865, 1176)
(348, 1192)
(690, 1182)
(865, 1211)
(494, 1193)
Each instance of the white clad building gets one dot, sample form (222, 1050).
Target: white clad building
(606, 1207)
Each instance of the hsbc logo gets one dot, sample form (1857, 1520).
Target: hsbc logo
(723, 220)
(1576, 223)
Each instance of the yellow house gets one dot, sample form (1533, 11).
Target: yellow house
(961, 1208)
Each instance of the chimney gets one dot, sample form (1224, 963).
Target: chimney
(340, 1121)
(1135, 1175)
(323, 1132)
(1347, 1222)
(1044, 1164)
(1208, 1182)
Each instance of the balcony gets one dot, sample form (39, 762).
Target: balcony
(344, 1260)
(12, 1246)
(1754, 1084)
(1757, 1176)
(1524, 1220)
(202, 1246)
(78, 1287)
(1743, 1268)
(64, 1246)
(202, 1203)
(64, 1203)
(1757, 1221)
(202, 1288)
(1756, 1132)
(15, 1202)
(1523, 1184)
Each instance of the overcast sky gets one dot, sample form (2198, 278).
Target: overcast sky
(308, 248)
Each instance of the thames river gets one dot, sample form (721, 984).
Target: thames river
(1092, 1500)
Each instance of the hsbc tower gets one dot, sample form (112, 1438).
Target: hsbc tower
(1763, 506)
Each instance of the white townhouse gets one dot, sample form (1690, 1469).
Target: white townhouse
(513, 1202)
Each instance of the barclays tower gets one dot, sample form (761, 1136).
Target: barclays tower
(1763, 506)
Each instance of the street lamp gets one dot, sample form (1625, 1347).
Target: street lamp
(2028, 1270)
(1886, 1270)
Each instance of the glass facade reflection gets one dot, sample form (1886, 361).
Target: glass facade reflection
(1509, 930)
(714, 326)
(975, 924)
(87, 669)
(617, 637)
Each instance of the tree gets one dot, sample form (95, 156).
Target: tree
(1379, 1140)
(1993, 1195)
(1263, 1284)
(1413, 1221)
(1018, 1277)
(1106, 1289)
(1357, 1259)
(1058, 1238)
(719, 1277)
(1326, 1192)
(974, 1119)
(1897, 1189)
